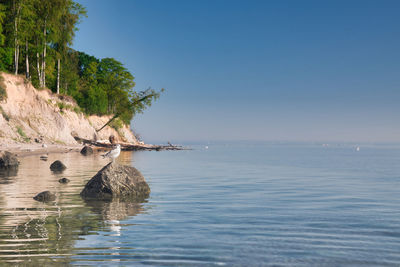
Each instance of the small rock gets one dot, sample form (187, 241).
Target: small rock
(118, 181)
(45, 196)
(39, 139)
(86, 150)
(57, 166)
(44, 145)
(8, 160)
(64, 180)
(44, 158)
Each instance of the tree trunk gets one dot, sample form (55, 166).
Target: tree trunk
(43, 72)
(44, 66)
(58, 76)
(16, 43)
(16, 46)
(27, 59)
(118, 114)
(38, 69)
(108, 122)
(16, 55)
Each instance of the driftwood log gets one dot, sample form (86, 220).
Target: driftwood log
(131, 147)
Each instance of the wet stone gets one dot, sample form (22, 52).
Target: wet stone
(8, 160)
(87, 150)
(64, 180)
(57, 166)
(117, 181)
(45, 196)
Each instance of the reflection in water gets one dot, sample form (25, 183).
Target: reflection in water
(114, 210)
(35, 233)
(6, 175)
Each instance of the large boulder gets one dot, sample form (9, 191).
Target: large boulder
(87, 150)
(117, 181)
(8, 160)
(45, 196)
(57, 166)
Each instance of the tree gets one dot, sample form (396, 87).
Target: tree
(6, 57)
(137, 104)
(49, 13)
(2, 16)
(117, 81)
(71, 15)
(45, 29)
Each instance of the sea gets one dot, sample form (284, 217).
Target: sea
(217, 204)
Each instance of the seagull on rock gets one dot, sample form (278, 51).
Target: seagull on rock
(113, 154)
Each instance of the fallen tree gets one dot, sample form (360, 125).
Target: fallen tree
(130, 147)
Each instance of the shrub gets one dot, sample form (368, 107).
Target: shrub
(22, 134)
(116, 124)
(5, 115)
(3, 92)
(61, 105)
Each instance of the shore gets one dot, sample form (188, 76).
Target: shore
(23, 149)
(36, 149)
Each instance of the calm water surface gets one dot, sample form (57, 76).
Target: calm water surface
(233, 205)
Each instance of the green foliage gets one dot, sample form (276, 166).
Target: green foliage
(22, 134)
(4, 114)
(61, 105)
(2, 16)
(42, 31)
(117, 124)
(77, 110)
(20, 131)
(6, 58)
(3, 92)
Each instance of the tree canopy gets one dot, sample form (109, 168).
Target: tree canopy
(35, 40)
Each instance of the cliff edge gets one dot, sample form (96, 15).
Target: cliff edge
(28, 115)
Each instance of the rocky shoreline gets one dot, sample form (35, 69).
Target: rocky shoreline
(23, 150)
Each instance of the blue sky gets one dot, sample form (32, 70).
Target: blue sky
(256, 70)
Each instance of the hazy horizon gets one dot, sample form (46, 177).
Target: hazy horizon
(306, 71)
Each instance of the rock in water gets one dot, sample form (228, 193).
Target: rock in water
(87, 150)
(45, 196)
(57, 166)
(64, 180)
(8, 160)
(117, 181)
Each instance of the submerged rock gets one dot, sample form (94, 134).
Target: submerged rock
(45, 196)
(8, 160)
(117, 181)
(64, 180)
(57, 166)
(87, 150)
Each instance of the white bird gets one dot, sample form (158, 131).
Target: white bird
(113, 154)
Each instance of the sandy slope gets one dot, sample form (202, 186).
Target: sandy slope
(30, 114)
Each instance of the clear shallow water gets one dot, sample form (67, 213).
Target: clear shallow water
(233, 205)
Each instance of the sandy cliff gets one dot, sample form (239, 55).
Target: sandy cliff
(29, 114)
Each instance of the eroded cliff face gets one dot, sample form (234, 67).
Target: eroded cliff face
(28, 114)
